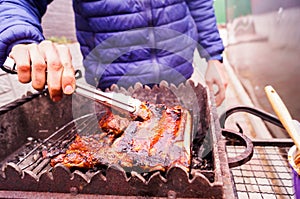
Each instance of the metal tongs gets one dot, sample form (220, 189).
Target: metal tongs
(116, 101)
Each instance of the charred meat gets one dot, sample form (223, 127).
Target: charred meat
(155, 143)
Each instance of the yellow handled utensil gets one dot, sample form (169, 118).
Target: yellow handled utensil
(291, 126)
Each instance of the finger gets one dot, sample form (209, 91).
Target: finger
(220, 95)
(68, 76)
(54, 69)
(224, 78)
(21, 57)
(210, 85)
(38, 67)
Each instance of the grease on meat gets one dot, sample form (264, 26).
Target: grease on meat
(154, 143)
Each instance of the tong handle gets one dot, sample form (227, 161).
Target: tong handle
(9, 66)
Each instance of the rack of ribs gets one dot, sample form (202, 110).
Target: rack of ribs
(158, 141)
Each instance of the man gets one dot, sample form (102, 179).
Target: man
(122, 42)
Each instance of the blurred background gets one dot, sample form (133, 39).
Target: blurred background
(262, 47)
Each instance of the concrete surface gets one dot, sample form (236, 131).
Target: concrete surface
(59, 20)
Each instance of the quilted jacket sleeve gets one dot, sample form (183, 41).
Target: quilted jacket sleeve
(211, 45)
(20, 22)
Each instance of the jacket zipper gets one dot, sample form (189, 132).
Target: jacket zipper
(152, 42)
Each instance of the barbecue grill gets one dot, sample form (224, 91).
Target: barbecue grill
(268, 174)
(35, 124)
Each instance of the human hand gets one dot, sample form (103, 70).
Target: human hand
(215, 75)
(45, 63)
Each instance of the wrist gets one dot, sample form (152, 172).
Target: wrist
(216, 58)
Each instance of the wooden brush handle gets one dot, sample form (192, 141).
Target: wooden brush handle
(283, 114)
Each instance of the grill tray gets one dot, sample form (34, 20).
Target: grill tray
(40, 118)
(268, 174)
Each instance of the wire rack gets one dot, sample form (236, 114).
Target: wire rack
(267, 175)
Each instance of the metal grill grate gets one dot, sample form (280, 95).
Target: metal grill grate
(266, 175)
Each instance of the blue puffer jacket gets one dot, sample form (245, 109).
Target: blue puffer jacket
(125, 41)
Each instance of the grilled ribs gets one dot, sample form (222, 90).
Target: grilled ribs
(155, 143)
